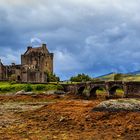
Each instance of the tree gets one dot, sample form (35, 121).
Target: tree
(52, 77)
(80, 78)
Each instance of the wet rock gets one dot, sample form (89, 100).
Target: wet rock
(59, 92)
(119, 105)
(22, 92)
(49, 92)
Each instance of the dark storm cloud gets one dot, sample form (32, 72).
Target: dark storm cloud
(93, 37)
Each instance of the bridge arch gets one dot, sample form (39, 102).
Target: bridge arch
(113, 91)
(93, 91)
(80, 90)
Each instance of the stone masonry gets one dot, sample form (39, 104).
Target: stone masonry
(130, 88)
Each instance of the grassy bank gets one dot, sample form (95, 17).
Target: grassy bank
(6, 87)
(119, 92)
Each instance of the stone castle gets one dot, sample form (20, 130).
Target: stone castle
(35, 63)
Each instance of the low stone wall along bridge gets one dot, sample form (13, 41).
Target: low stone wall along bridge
(130, 89)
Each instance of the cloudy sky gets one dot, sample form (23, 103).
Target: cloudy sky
(87, 36)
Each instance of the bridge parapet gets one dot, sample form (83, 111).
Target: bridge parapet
(131, 89)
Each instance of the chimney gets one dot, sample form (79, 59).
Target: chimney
(13, 64)
(44, 45)
(29, 47)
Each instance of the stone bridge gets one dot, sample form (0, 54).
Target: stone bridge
(130, 89)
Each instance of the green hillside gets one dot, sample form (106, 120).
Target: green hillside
(132, 78)
(123, 77)
(108, 77)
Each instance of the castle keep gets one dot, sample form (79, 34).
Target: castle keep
(35, 63)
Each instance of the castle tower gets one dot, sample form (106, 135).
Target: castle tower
(35, 63)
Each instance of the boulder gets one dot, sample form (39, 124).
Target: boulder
(21, 92)
(119, 105)
(59, 92)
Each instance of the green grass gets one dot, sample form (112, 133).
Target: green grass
(8, 87)
(107, 77)
(132, 78)
(100, 92)
(119, 92)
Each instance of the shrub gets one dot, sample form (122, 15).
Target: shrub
(80, 78)
(118, 76)
(52, 77)
(12, 82)
(6, 88)
(28, 87)
(40, 87)
(19, 87)
(60, 87)
(51, 87)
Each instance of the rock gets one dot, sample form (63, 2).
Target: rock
(119, 105)
(62, 119)
(49, 92)
(59, 92)
(21, 92)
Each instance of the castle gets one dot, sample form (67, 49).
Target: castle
(35, 63)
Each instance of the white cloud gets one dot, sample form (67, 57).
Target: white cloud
(35, 41)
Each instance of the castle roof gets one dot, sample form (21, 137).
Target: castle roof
(42, 49)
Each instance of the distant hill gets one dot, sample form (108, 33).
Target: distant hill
(134, 73)
(132, 76)
(109, 76)
(105, 75)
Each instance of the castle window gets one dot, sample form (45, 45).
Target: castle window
(18, 78)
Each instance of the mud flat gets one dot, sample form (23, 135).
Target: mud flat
(53, 117)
